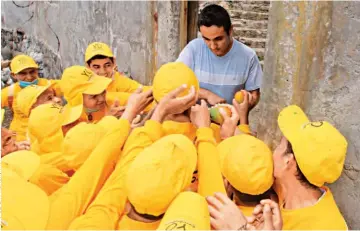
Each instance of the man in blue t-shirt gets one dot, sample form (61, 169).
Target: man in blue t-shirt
(222, 64)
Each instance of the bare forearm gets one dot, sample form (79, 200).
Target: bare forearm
(204, 94)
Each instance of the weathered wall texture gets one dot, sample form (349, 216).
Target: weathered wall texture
(129, 27)
(313, 60)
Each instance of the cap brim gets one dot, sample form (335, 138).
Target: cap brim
(71, 113)
(188, 211)
(106, 54)
(98, 85)
(24, 163)
(291, 120)
(25, 67)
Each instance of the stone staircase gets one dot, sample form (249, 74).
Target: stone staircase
(250, 21)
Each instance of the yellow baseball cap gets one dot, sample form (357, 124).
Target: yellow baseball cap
(97, 48)
(46, 120)
(78, 80)
(188, 211)
(21, 62)
(247, 163)
(75, 150)
(24, 206)
(23, 163)
(27, 97)
(319, 148)
(171, 76)
(159, 173)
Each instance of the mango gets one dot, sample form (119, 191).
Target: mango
(239, 97)
(215, 115)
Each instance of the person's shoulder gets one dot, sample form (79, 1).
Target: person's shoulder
(244, 49)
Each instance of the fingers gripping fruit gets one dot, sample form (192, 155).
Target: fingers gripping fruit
(215, 114)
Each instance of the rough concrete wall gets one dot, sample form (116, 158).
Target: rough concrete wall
(68, 27)
(169, 30)
(312, 60)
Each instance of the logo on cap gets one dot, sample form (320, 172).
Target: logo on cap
(179, 225)
(89, 74)
(97, 46)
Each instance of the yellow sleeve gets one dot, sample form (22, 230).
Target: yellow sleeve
(49, 178)
(4, 97)
(216, 130)
(105, 211)
(84, 185)
(57, 160)
(125, 84)
(245, 129)
(121, 96)
(210, 178)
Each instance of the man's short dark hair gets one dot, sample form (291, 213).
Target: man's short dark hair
(299, 175)
(99, 57)
(215, 15)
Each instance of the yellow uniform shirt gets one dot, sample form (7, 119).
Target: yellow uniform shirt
(105, 211)
(122, 83)
(8, 99)
(324, 215)
(71, 200)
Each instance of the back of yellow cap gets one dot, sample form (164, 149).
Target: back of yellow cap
(246, 162)
(97, 48)
(22, 62)
(171, 76)
(160, 173)
(319, 148)
(188, 211)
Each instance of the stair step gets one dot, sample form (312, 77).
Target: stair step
(252, 42)
(263, 24)
(253, 7)
(252, 2)
(248, 15)
(250, 33)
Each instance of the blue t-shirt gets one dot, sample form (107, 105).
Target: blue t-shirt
(238, 69)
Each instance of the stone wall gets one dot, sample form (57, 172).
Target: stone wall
(313, 60)
(142, 34)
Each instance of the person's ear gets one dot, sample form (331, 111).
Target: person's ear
(13, 75)
(289, 161)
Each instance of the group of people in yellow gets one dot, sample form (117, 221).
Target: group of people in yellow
(96, 150)
(120, 155)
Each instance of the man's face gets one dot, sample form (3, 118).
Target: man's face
(8, 144)
(279, 158)
(216, 39)
(48, 96)
(27, 75)
(102, 67)
(95, 102)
